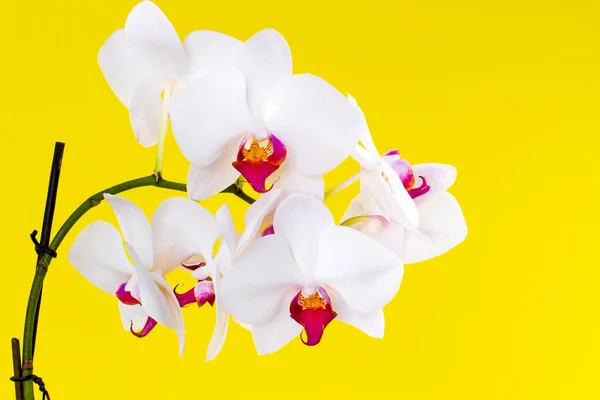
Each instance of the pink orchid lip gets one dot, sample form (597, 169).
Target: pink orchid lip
(314, 313)
(268, 231)
(201, 294)
(402, 168)
(394, 152)
(148, 326)
(258, 159)
(421, 190)
(194, 265)
(125, 296)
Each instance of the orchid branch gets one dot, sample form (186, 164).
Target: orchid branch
(31, 316)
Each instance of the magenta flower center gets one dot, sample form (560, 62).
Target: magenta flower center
(258, 159)
(314, 313)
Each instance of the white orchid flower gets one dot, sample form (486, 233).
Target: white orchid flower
(145, 297)
(259, 120)
(259, 216)
(405, 207)
(307, 273)
(145, 64)
(199, 239)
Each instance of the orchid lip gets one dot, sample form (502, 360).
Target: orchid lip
(192, 266)
(268, 231)
(421, 190)
(185, 298)
(258, 159)
(148, 327)
(195, 295)
(394, 152)
(314, 313)
(125, 296)
(402, 168)
(204, 292)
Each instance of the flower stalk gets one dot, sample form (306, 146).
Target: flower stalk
(44, 258)
(164, 127)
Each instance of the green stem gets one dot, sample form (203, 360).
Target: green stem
(44, 262)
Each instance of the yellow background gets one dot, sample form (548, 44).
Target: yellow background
(507, 91)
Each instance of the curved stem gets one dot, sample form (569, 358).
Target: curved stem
(44, 262)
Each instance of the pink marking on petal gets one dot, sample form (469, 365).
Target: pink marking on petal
(186, 298)
(394, 152)
(314, 313)
(194, 265)
(268, 231)
(148, 326)
(204, 292)
(405, 173)
(258, 159)
(421, 190)
(125, 296)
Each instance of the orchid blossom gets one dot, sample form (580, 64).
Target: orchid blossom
(307, 273)
(257, 119)
(199, 237)
(144, 296)
(405, 207)
(145, 64)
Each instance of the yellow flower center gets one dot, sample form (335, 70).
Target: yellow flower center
(313, 302)
(255, 150)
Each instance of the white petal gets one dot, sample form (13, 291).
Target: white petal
(318, 125)
(132, 314)
(145, 112)
(160, 303)
(148, 28)
(254, 288)
(301, 219)
(364, 272)
(366, 158)
(279, 331)
(182, 228)
(204, 182)
(390, 195)
(439, 177)
(208, 51)
(266, 62)
(209, 114)
(291, 180)
(124, 66)
(393, 236)
(263, 205)
(147, 48)
(373, 323)
(217, 339)
(225, 222)
(362, 205)
(255, 215)
(365, 134)
(98, 254)
(442, 222)
(134, 227)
